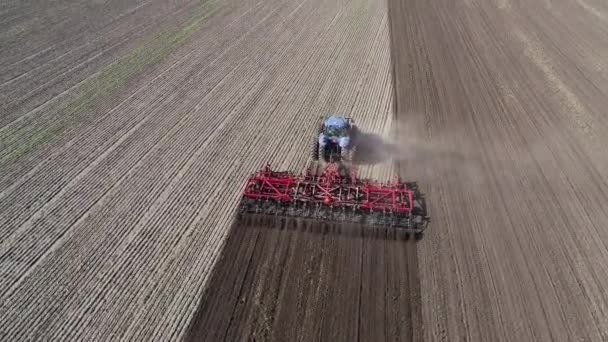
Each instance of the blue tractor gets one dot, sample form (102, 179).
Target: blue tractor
(333, 142)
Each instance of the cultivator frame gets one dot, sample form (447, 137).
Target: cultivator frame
(332, 196)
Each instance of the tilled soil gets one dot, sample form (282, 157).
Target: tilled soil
(299, 280)
(499, 108)
(501, 111)
(128, 127)
(121, 165)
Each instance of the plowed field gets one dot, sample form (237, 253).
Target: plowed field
(128, 127)
(298, 280)
(502, 104)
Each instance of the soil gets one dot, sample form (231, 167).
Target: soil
(127, 129)
(117, 192)
(500, 112)
(297, 280)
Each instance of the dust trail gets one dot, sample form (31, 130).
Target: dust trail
(452, 154)
(406, 145)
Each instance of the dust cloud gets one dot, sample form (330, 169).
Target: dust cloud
(452, 154)
(421, 156)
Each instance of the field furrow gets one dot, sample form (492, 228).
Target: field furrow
(500, 104)
(127, 129)
(80, 194)
(114, 127)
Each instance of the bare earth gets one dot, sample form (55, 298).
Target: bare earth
(127, 128)
(122, 165)
(298, 280)
(502, 105)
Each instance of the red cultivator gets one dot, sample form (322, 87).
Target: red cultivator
(336, 197)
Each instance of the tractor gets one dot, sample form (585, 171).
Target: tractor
(334, 140)
(334, 192)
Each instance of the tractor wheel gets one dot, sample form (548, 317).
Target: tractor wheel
(329, 153)
(334, 155)
(315, 146)
(315, 150)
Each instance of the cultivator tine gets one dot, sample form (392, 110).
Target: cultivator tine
(330, 197)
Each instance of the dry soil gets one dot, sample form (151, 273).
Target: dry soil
(501, 111)
(128, 127)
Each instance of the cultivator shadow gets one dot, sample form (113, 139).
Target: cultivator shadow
(335, 195)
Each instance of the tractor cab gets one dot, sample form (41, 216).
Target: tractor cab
(334, 141)
(336, 127)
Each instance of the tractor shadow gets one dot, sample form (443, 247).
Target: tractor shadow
(372, 149)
